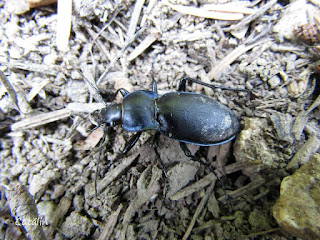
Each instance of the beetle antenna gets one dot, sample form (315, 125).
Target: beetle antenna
(120, 54)
(93, 87)
(153, 61)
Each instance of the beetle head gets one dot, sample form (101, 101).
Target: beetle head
(110, 115)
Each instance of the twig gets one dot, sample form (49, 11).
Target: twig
(110, 224)
(302, 119)
(100, 45)
(146, 190)
(201, 12)
(59, 213)
(143, 46)
(85, 107)
(41, 119)
(314, 105)
(244, 190)
(64, 24)
(113, 174)
(147, 12)
(305, 152)
(115, 13)
(120, 54)
(135, 18)
(231, 57)
(199, 210)
(36, 89)
(205, 181)
(10, 89)
(250, 18)
(53, 70)
(231, 7)
(272, 103)
(24, 210)
(252, 235)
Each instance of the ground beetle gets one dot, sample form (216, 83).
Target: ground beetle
(184, 116)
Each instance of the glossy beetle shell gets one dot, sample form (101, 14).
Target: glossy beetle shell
(138, 111)
(195, 118)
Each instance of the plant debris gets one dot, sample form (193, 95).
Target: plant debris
(50, 148)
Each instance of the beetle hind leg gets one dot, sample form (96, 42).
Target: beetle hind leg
(187, 152)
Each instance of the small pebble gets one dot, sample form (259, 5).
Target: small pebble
(274, 81)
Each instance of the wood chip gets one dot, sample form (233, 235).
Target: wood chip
(201, 12)
(304, 153)
(24, 210)
(232, 7)
(91, 141)
(198, 211)
(85, 107)
(8, 86)
(147, 42)
(39, 3)
(252, 17)
(64, 24)
(302, 119)
(135, 18)
(113, 174)
(110, 224)
(60, 212)
(36, 89)
(41, 119)
(218, 69)
(22, 6)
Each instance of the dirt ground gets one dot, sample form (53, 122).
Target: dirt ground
(50, 149)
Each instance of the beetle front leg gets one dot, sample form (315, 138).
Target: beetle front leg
(133, 140)
(187, 152)
(155, 144)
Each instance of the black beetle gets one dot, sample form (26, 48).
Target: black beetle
(185, 116)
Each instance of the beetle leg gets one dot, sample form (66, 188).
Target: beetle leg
(154, 86)
(133, 140)
(187, 152)
(123, 92)
(126, 149)
(104, 142)
(182, 85)
(155, 144)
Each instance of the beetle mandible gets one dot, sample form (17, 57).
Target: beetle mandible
(184, 116)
